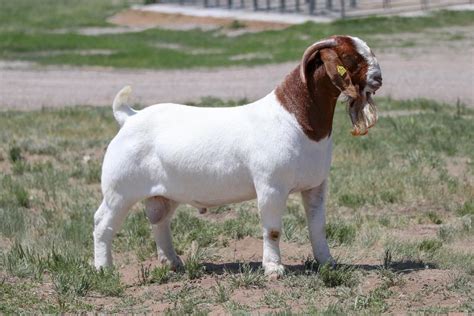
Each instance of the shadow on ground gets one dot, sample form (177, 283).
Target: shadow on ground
(405, 267)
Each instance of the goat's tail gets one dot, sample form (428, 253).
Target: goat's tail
(122, 111)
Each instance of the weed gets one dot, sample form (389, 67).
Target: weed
(374, 301)
(21, 297)
(157, 275)
(14, 153)
(160, 275)
(247, 277)
(13, 222)
(185, 301)
(143, 275)
(187, 228)
(246, 224)
(236, 308)
(333, 277)
(434, 218)
(236, 24)
(430, 245)
(107, 282)
(294, 224)
(446, 233)
(221, 292)
(71, 275)
(274, 299)
(340, 232)
(466, 209)
(387, 258)
(90, 171)
(390, 278)
(22, 196)
(352, 200)
(192, 265)
(20, 167)
(385, 221)
(22, 262)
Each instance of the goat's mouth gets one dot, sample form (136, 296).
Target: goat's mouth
(363, 113)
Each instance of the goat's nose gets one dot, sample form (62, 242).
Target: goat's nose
(378, 79)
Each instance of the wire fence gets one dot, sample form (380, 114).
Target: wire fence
(334, 8)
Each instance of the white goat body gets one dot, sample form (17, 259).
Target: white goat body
(209, 157)
(168, 154)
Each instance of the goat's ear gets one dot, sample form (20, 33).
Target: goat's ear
(338, 73)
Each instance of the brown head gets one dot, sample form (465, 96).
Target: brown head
(340, 64)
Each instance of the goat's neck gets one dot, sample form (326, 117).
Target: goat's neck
(312, 103)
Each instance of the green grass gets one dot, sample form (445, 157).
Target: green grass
(247, 277)
(382, 187)
(29, 31)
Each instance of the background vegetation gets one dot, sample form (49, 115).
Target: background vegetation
(49, 32)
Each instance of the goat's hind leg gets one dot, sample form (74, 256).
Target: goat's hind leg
(314, 204)
(159, 211)
(107, 221)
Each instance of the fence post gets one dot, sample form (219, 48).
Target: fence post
(343, 9)
(312, 6)
(282, 5)
(329, 4)
(255, 5)
(353, 3)
(424, 4)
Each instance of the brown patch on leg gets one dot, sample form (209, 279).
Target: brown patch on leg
(274, 235)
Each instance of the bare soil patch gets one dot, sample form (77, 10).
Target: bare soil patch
(146, 19)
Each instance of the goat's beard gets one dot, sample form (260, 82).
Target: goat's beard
(363, 114)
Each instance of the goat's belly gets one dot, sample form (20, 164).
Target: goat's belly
(206, 190)
(215, 197)
(206, 203)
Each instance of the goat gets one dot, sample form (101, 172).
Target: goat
(169, 154)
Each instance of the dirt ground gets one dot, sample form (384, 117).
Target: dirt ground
(441, 75)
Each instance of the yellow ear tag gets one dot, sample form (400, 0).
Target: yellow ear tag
(341, 70)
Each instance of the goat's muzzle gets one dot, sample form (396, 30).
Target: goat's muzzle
(363, 113)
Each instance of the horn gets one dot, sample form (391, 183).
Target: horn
(310, 51)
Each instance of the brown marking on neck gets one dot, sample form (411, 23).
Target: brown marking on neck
(312, 103)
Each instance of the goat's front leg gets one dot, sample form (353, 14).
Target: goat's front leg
(314, 204)
(271, 203)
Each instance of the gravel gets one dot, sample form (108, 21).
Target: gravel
(440, 74)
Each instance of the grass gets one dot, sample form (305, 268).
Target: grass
(392, 201)
(247, 277)
(46, 32)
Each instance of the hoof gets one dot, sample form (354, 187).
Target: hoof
(274, 271)
(328, 261)
(174, 265)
